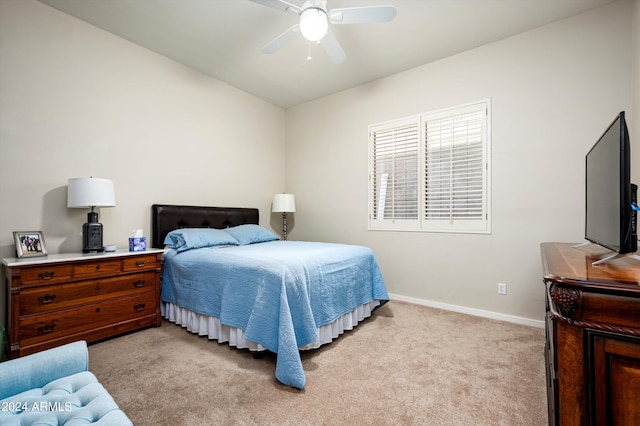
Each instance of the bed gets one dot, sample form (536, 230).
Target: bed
(231, 280)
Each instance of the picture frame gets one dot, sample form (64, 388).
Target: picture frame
(29, 243)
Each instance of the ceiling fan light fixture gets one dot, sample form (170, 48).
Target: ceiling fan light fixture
(314, 23)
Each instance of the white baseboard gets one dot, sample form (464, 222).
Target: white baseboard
(470, 311)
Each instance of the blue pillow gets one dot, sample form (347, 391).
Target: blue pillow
(249, 234)
(191, 238)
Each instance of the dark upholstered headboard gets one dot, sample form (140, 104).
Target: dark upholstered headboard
(165, 218)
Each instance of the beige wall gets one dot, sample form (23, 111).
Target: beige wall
(76, 101)
(553, 92)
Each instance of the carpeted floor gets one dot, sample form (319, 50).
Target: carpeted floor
(407, 364)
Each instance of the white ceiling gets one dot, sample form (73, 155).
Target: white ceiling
(223, 38)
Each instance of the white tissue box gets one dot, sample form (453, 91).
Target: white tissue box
(138, 244)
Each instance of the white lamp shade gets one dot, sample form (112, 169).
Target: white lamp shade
(284, 203)
(313, 23)
(90, 192)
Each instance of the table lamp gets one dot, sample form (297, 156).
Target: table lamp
(284, 203)
(91, 193)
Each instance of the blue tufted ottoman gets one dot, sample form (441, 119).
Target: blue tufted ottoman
(54, 387)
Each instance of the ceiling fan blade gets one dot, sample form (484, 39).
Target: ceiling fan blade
(282, 39)
(279, 5)
(333, 48)
(362, 15)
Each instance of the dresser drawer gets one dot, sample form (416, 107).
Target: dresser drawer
(97, 269)
(45, 275)
(139, 263)
(49, 298)
(614, 310)
(39, 328)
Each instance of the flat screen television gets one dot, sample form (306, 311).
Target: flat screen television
(610, 219)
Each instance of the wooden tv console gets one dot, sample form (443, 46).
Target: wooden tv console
(593, 336)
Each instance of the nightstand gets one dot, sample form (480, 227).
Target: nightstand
(66, 297)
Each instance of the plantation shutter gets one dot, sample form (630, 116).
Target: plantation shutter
(455, 171)
(430, 172)
(394, 174)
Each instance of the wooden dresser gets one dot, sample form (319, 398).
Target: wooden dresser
(593, 336)
(67, 297)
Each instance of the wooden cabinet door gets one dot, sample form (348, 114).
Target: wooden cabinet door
(616, 384)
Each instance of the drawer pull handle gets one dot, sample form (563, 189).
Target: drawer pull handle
(47, 298)
(45, 329)
(141, 263)
(46, 275)
(138, 284)
(139, 307)
(97, 286)
(97, 267)
(98, 310)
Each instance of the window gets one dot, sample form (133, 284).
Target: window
(430, 172)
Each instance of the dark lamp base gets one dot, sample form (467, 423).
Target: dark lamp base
(92, 237)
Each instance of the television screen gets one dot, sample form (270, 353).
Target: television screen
(609, 214)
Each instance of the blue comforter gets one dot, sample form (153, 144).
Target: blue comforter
(277, 292)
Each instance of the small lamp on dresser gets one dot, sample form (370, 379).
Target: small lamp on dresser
(91, 193)
(284, 203)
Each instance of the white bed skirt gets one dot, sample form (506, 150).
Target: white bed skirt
(211, 327)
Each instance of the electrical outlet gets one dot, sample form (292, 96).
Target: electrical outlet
(502, 288)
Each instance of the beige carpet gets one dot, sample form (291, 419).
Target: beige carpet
(407, 364)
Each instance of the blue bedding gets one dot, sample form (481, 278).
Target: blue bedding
(277, 292)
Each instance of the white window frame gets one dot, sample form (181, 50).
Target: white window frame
(473, 217)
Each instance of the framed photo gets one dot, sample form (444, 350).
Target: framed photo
(29, 243)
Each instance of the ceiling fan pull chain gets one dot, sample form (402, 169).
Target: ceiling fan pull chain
(308, 51)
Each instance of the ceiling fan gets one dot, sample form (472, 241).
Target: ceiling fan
(314, 23)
